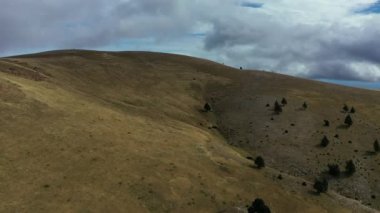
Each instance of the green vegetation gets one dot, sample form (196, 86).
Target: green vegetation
(334, 170)
(284, 101)
(259, 161)
(277, 107)
(304, 105)
(258, 206)
(350, 167)
(348, 121)
(376, 146)
(321, 186)
(345, 108)
(325, 142)
(207, 107)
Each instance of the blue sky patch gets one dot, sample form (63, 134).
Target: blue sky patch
(252, 5)
(372, 8)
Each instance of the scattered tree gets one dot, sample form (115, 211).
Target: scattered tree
(304, 105)
(350, 167)
(334, 170)
(259, 161)
(277, 107)
(207, 107)
(327, 123)
(284, 101)
(376, 146)
(241, 68)
(345, 108)
(325, 142)
(268, 105)
(352, 110)
(258, 206)
(348, 120)
(321, 186)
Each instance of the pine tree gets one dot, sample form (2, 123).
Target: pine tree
(304, 105)
(348, 120)
(327, 123)
(321, 186)
(352, 110)
(334, 170)
(376, 146)
(350, 167)
(258, 206)
(277, 107)
(325, 142)
(259, 161)
(284, 101)
(207, 107)
(345, 108)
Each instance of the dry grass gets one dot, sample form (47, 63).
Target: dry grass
(122, 132)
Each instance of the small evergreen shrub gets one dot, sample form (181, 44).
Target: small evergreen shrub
(258, 206)
(259, 161)
(321, 186)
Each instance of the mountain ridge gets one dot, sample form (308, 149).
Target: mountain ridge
(100, 131)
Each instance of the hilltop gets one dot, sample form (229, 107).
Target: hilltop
(125, 131)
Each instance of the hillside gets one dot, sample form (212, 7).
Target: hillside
(290, 141)
(86, 131)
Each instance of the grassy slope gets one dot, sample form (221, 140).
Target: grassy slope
(289, 141)
(93, 132)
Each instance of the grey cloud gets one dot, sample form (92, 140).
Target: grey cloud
(333, 70)
(26, 24)
(238, 35)
(323, 52)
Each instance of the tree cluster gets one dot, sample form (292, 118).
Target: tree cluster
(334, 170)
(321, 186)
(258, 206)
(277, 108)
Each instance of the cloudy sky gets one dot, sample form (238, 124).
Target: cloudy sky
(332, 39)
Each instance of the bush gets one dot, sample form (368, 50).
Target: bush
(284, 101)
(258, 206)
(327, 123)
(350, 167)
(321, 186)
(325, 142)
(259, 161)
(345, 108)
(277, 107)
(207, 107)
(304, 105)
(376, 146)
(348, 121)
(334, 170)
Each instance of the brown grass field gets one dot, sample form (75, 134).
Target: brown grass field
(86, 131)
